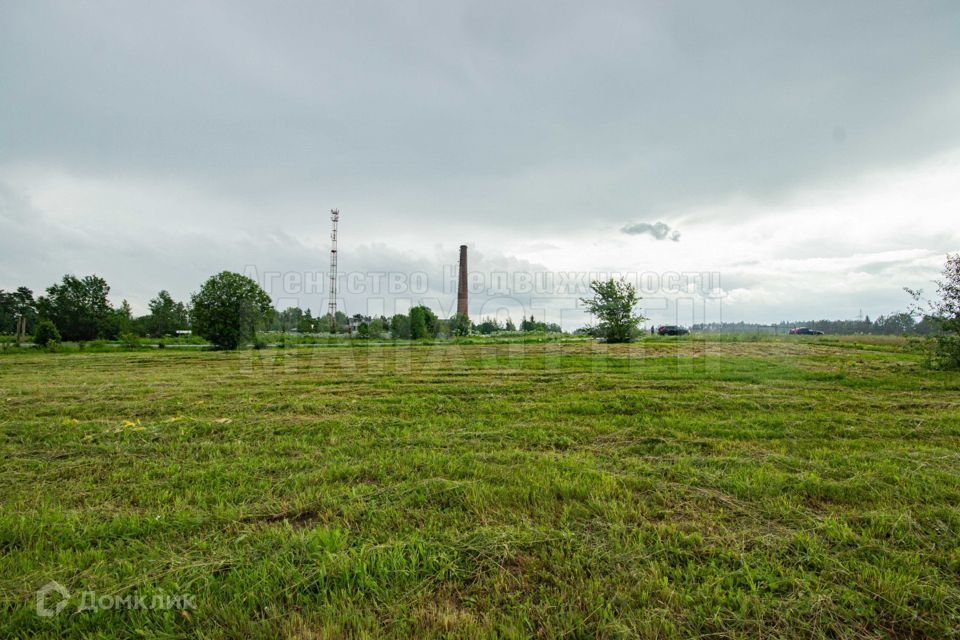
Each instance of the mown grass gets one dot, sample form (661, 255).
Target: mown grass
(804, 488)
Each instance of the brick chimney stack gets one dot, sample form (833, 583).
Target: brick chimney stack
(462, 288)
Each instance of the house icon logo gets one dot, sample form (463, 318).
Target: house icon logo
(51, 599)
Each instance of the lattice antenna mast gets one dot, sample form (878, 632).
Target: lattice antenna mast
(334, 219)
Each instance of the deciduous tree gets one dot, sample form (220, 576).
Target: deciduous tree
(613, 304)
(78, 307)
(166, 315)
(229, 308)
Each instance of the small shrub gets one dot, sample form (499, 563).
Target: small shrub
(947, 352)
(53, 346)
(945, 313)
(259, 343)
(46, 332)
(130, 340)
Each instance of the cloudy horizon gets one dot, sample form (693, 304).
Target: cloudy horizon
(809, 156)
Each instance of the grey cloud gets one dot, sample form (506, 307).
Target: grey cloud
(657, 231)
(375, 278)
(443, 117)
(445, 104)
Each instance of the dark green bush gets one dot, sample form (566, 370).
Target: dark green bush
(229, 309)
(947, 352)
(46, 333)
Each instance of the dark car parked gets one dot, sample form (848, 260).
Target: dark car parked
(804, 331)
(671, 330)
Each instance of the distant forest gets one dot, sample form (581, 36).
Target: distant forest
(895, 324)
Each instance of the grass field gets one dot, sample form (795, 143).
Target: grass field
(780, 488)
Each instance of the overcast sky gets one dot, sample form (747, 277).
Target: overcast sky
(806, 155)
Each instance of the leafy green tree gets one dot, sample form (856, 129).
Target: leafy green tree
(528, 324)
(430, 320)
(948, 290)
(947, 311)
(290, 319)
(418, 323)
(15, 305)
(894, 324)
(78, 307)
(166, 315)
(46, 334)
(341, 322)
(322, 324)
(460, 325)
(612, 304)
(8, 317)
(531, 324)
(926, 326)
(433, 322)
(376, 328)
(488, 326)
(118, 322)
(400, 327)
(141, 326)
(363, 330)
(509, 326)
(306, 323)
(229, 309)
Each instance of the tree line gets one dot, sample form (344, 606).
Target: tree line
(80, 309)
(419, 322)
(228, 310)
(896, 323)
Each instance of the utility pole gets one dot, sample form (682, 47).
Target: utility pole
(334, 219)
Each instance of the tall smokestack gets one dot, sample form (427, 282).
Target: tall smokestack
(462, 288)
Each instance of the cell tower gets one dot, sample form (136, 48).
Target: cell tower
(334, 219)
